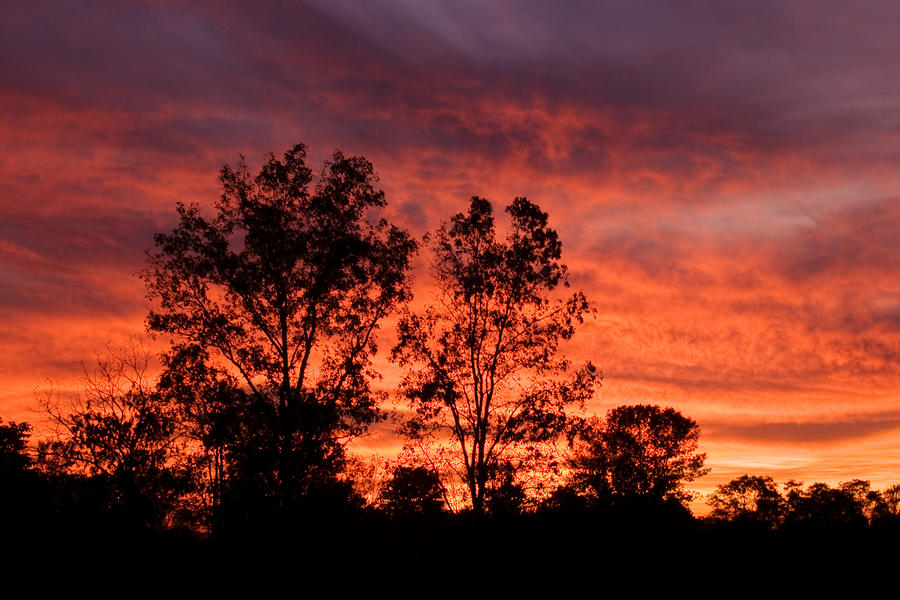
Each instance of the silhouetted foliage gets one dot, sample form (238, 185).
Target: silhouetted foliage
(750, 499)
(870, 502)
(234, 451)
(119, 430)
(589, 464)
(287, 283)
(25, 496)
(850, 506)
(638, 451)
(565, 500)
(412, 490)
(486, 381)
(507, 496)
(14, 457)
(891, 497)
(821, 505)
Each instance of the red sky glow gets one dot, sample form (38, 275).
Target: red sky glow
(724, 176)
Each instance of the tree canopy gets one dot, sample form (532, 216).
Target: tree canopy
(412, 490)
(748, 498)
(639, 451)
(286, 283)
(14, 457)
(486, 381)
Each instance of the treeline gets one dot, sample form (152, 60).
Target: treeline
(136, 461)
(272, 300)
(757, 501)
(405, 538)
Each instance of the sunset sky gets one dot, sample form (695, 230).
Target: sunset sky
(724, 177)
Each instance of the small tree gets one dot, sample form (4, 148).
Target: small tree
(412, 490)
(486, 381)
(14, 457)
(287, 284)
(119, 429)
(748, 498)
(640, 451)
(891, 497)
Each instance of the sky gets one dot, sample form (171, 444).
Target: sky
(724, 177)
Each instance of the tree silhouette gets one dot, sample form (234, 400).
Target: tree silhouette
(822, 505)
(25, 498)
(287, 284)
(748, 498)
(486, 381)
(640, 451)
(506, 497)
(14, 457)
(412, 490)
(871, 503)
(891, 497)
(232, 451)
(120, 430)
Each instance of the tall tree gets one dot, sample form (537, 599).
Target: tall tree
(486, 382)
(287, 283)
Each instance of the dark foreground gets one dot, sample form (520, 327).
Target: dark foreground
(455, 555)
